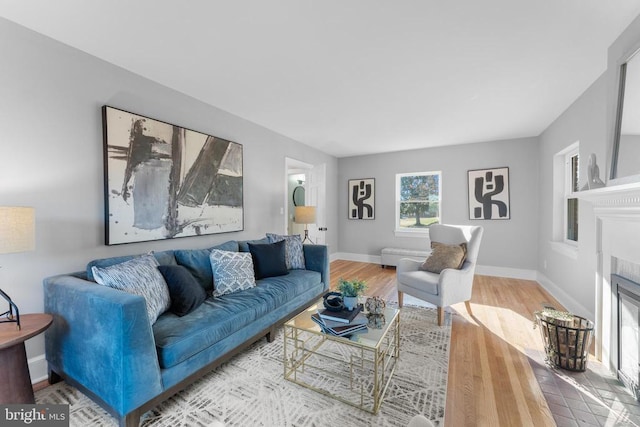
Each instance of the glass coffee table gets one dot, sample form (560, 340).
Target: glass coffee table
(355, 369)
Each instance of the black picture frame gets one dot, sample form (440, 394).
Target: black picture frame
(489, 194)
(361, 198)
(164, 181)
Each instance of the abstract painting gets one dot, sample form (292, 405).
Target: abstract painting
(164, 181)
(362, 198)
(489, 194)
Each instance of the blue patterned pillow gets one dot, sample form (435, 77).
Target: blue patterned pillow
(232, 271)
(138, 276)
(294, 254)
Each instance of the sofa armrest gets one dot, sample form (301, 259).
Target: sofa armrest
(101, 338)
(316, 258)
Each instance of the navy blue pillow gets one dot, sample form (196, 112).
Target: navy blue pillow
(185, 291)
(268, 259)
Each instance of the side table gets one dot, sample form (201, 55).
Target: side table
(15, 382)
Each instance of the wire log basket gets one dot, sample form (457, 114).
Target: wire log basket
(566, 341)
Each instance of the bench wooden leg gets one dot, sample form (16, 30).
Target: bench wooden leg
(440, 316)
(400, 295)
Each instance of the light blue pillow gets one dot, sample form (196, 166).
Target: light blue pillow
(294, 254)
(232, 271)
(138, 276)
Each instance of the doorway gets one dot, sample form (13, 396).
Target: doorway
(305, 185)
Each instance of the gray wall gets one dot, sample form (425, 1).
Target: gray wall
(588, 120)
(51, 151)
(506, 243)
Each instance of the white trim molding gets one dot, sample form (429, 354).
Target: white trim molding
(617, 231)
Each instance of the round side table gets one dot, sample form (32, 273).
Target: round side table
(14, 371)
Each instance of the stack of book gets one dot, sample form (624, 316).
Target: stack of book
(341, 323)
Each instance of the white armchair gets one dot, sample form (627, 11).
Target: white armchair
(451, 286)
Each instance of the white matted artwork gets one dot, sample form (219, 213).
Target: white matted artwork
(164, 181)
(489, 193)
(362, 198)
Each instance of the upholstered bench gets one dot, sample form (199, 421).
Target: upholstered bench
(391, 256)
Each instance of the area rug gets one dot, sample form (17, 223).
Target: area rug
(250, 389)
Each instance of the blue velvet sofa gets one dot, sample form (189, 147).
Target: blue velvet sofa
(102, 342)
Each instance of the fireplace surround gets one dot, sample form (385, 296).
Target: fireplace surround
(617, 239)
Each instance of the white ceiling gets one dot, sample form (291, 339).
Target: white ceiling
(354, 77)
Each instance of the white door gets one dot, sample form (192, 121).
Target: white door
(316, 195)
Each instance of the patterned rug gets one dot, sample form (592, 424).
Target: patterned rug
(250, 389)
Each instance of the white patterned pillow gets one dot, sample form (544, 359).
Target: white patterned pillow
(232, 271)
(294, 254)
(138, 276)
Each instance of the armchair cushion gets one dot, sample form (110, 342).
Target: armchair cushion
(445, 256)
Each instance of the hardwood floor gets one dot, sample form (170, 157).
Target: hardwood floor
(490, 380)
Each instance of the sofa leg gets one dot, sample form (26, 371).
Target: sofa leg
(468, 305)
(54, 377)
(400, 295)
(132, 419)
(271, 335)
(440, 316)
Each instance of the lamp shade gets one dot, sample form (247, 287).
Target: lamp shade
(17, 229)
(305, 214)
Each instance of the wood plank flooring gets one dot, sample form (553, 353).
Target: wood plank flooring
(490, 380)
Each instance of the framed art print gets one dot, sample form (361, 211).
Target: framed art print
(164, 181)
(362, 198)
(489, 194)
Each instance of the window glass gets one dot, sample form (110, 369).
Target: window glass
(418, 200)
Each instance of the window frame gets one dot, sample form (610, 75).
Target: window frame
(571, 187)
(408, 232)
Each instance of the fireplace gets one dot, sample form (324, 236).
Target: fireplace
(617, 245)
(627, 299)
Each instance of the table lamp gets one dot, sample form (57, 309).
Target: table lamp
(17, 234)
(305, 215)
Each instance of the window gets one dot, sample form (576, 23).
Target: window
(571, 163)
(417, 201)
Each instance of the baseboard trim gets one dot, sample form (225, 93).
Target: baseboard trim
(512, 273)
(346, 256)
(564, 298)
(38, 369)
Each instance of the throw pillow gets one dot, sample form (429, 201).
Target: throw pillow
(138, 276)
(445, 256)
(232, 271)
(294, 253)
(268, 259)
(185, 291)
(198, 263)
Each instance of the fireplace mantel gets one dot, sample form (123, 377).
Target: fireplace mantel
(616, 210)
(622, 197)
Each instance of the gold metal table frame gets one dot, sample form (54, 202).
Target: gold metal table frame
(355, 370)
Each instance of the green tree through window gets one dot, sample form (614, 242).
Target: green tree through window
(419, 200)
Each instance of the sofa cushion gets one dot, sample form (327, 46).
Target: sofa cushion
(198, 263)
(232, 271)
(185, 292)
(178, 338)
(163, 258)
(268, 259)
(445, 256)
(294, 254)
(138, 276)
